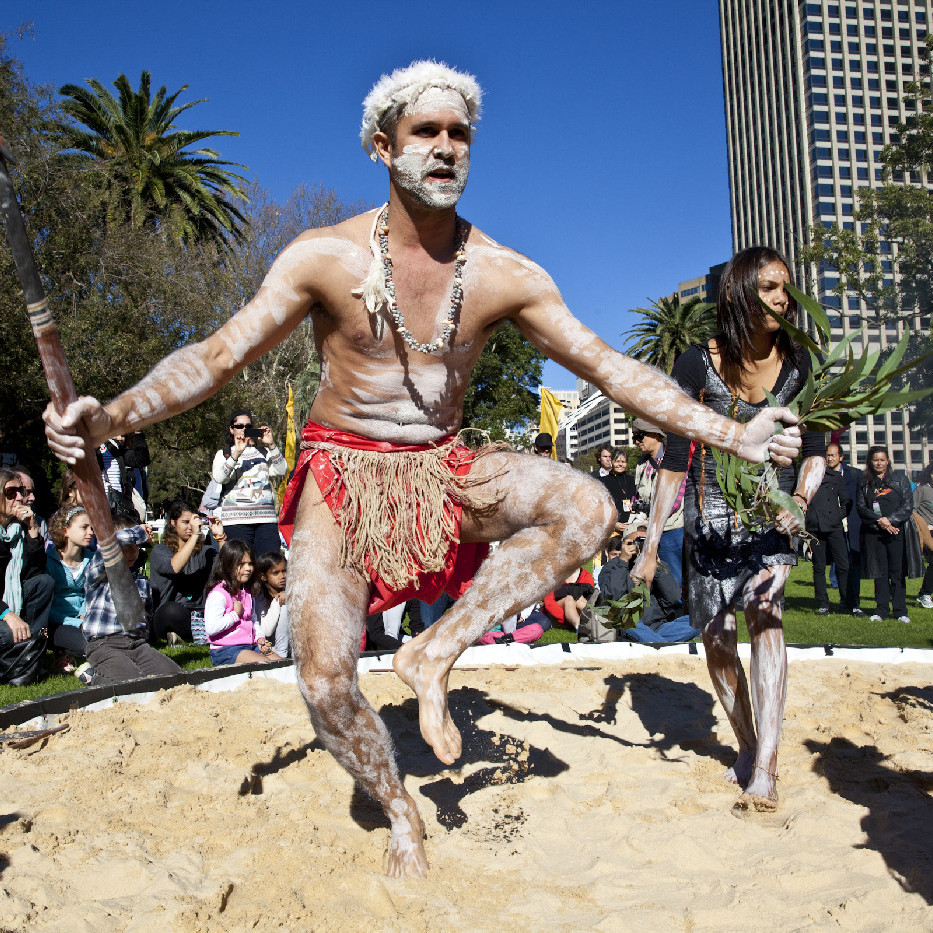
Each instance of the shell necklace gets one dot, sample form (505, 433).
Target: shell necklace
(456, 295)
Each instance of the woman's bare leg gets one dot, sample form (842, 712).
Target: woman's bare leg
(550, 519)
(725, 669)
(571, 613)
(769, 682)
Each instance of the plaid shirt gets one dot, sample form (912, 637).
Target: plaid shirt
(100, 616)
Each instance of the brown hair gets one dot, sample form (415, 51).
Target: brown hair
(740, 313)
(6, 476)
(69, 486)
(59, 522)
(170, 535)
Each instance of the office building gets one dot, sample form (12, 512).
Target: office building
(813, 92)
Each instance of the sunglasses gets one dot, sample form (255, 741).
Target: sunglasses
(11, 492)
(245, 424)
(638, 436)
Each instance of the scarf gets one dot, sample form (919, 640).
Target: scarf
(13, 584)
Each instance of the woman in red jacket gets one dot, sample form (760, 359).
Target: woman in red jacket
(566, 603)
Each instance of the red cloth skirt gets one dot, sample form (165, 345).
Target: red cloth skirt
(462, 560)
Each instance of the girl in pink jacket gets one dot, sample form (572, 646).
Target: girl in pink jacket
(232, 634)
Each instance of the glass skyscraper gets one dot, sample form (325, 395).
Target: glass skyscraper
(813, 92)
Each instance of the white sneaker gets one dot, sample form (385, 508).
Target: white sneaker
(876, 618)
(926, 602)
(904, 619)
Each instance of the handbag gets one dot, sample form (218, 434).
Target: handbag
(19, 663)
(923, 530)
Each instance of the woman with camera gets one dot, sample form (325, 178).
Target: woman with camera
(179, 567)
(248, 475)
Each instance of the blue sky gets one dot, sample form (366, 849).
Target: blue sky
(600, 154)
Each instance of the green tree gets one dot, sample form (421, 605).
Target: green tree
(501, 395)
(151, 175)
(887, 259)
(668, 328)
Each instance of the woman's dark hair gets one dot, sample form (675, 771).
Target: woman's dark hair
(926, 475)
(228, 434)
(225, 567)
(69, 486)
(264, 563)
(170, 535)
(868, 473)
(620, 452)
(740, 313)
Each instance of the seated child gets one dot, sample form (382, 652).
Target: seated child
(228, 610)
(269, 607)
(71, 535)
(115, 655)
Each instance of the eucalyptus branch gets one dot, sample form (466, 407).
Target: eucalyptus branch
(627, 611)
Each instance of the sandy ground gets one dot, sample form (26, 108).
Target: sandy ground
(589, 797)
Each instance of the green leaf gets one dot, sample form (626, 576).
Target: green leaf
(782, 500)
(805, 396)
(892, 400)
(890, 364)
(828, 422)
(814, 309)
(916, 361)
(840, 348)
(842, 383)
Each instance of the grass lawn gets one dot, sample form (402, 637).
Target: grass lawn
(801, 626)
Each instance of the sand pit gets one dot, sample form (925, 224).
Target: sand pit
(590, 796)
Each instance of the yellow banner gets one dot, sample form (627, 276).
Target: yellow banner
(550, 413)
(291, 442)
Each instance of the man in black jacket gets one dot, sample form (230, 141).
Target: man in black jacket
(828, 507)
(851, 477)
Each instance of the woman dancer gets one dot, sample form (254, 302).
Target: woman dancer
(885, 505)
(724, 562)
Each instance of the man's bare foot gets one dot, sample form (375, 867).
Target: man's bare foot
(428, 679)
(407, 858)
(741, 772)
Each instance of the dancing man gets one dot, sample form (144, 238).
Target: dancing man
(403, 299)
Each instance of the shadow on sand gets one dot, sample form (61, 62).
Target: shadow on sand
(900, 811)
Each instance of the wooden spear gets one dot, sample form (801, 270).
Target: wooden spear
(126, 599)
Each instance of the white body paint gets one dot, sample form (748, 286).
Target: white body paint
(371, 385)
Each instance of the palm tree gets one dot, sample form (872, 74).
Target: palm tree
(152, 178)
(668, 328)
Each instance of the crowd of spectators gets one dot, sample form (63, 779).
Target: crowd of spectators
(201, 582)
(198, 584)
